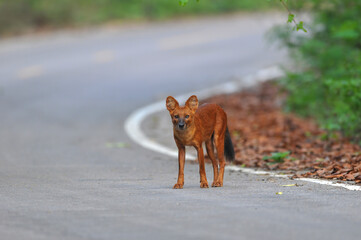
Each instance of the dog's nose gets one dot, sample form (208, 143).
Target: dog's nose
(181, 125)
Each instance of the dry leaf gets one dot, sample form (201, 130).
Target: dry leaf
(262, 128)
(290, 185)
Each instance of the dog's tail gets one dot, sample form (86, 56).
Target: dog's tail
(228, 146)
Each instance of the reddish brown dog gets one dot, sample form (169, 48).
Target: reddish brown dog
(191, 127)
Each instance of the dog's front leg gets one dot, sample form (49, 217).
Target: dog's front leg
(181, 161)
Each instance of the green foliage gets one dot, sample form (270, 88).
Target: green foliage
(291, 17)
(299, 26)
(277, 157)
(20, 15)
(329, 85)
(183, 2)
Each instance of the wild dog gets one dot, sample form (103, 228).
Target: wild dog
(193, 125)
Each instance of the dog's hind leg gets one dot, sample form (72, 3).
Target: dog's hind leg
(202, 169)
(210, 152)
(219, 141)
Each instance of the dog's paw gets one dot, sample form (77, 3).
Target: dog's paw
(204, 185)
(217, 184)
(178, 186)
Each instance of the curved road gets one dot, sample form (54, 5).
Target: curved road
(68, 170)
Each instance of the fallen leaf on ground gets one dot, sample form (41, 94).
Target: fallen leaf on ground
(260, 128)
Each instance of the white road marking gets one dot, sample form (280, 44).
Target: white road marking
(30, 72)
(133, 123)
(104, 56)
(312, 180)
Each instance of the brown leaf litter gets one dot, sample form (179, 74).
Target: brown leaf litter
(259, 128)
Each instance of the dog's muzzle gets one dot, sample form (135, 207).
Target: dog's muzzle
(181, 124)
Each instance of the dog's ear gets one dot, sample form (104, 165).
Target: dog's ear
(171, 103)
(192, 102)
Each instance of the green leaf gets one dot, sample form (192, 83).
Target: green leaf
(308, 134)
(290, 17)
(236, 134)
(277, 157)
(299, 26)
(183, 2)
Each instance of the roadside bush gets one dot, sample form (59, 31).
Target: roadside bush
(328, 87)
(17, 16)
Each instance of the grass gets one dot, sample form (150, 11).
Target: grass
(277, 157)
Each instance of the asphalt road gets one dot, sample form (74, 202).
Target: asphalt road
(65, 174)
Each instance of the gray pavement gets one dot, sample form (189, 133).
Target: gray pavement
(64, 98)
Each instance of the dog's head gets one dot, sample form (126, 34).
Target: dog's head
(182, 117)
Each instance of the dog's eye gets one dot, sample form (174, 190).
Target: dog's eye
(187, 116)
(176, 116)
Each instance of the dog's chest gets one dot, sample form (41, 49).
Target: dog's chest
(185, 138)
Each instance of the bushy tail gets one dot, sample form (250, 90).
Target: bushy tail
(228, 147)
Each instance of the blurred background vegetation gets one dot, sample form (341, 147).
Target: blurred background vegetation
(19, 16)
(327, 85)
